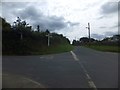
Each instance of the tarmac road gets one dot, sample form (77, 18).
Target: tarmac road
(80, 68)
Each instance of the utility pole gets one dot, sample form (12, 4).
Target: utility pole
(38, 28)
(88, 27)
(48, 35)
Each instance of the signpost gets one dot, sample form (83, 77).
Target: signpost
(48, 35)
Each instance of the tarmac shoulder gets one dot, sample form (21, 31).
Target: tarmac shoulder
(17, 81)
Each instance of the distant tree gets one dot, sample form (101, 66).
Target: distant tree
(24, 23)
(47, 31)
(5, 25)
(75, 42)
(84, 40)
(106, 39)
(92, 39)
(116, 37)
(21, 25)
(38, 28)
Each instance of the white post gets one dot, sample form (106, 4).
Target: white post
(48, 39)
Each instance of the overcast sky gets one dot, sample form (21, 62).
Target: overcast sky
(67, 17)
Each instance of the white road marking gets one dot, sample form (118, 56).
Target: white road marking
(22, 81)
(90, 82)
(46, 57)
(74, 56)
(88, 76)
(30, 80)
(41, 57)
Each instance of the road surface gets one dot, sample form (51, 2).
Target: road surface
(80, 68)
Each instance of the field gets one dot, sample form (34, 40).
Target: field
(105, 48)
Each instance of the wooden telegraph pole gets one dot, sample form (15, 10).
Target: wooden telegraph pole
(88, 27)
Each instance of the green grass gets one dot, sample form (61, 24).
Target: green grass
(53, 49)
(38, 50)
(105, 48)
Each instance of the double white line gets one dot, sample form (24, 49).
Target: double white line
(90, 82)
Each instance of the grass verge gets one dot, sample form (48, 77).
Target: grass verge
(105, 48)
(38, 50)
(53, 49)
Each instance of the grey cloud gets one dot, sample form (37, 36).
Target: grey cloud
(13, 5)
(56, 25)
(73, 23)
(33, 15)
(102, 17)
(112, 27)
(97, 36)
(9, 9)
(46, 22)
(29, 13)
(109, 7)
(102, 27)
(105, 34)
(115, 26)
(51, 23)
(110, 33)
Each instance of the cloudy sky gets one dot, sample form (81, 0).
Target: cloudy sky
(67, 17)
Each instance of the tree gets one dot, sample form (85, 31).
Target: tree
(38, 28)
(5, 25)
(106, 39)
(21, 25)
(92, 40)
(47, 31)
(20, 40)
(84, 40)
(75, 42)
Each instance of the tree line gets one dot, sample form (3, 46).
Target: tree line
(114, 40)
(20, 38)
